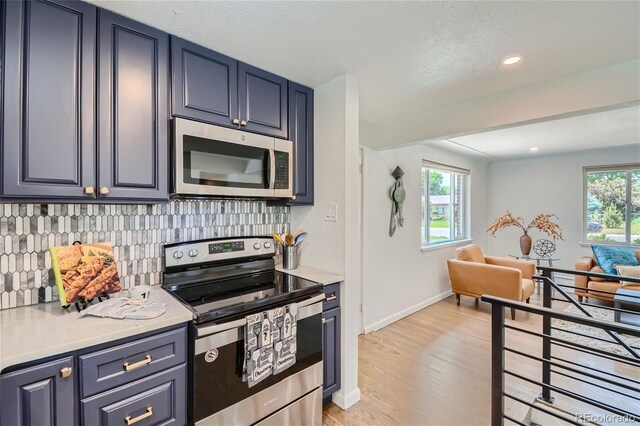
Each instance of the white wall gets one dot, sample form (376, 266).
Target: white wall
(336, 246)
(547, 184)
(399, 278)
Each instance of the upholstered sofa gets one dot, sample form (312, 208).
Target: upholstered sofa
(589, 286)
(474, 274)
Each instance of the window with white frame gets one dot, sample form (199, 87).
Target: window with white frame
(444, 195)
(612, 204)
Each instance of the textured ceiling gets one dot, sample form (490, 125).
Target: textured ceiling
(604, 129)
(409, 57)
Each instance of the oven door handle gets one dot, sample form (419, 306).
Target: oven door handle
(214, 336)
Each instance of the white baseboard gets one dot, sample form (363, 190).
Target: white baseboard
(345, 401)
(406, 312)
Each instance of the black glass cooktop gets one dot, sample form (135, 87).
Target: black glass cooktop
(228, 299)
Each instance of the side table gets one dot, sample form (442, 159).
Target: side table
(537, 259)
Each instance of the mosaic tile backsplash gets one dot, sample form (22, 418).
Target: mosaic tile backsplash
(137, 233)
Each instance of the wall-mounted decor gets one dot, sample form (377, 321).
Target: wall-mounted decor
(397, 195)
(541, 222)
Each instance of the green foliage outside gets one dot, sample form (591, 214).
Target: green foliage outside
(435, 184)
(439, 224)
(599, 237)
(636, 241)
(612, 218)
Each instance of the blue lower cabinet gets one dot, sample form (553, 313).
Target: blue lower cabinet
(40, 395)
(160, 399)
(331, 352)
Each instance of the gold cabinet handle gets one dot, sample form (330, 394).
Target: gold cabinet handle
(243, 123)
(130, 367)
(331, 298)
(129, 421)
(236, 121)
(66, 372)
(104, 190)
(89, 190)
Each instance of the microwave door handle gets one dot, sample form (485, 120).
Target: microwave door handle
(272, 169)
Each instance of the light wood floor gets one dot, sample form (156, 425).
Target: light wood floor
(433, 368)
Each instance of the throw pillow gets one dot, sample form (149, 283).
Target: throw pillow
(607, 256)
(628, 271)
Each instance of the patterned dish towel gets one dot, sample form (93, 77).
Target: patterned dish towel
(125, 308)
(269, 343)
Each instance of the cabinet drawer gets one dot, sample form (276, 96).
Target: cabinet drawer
(332, 294)
(154, 400)
(125, 363)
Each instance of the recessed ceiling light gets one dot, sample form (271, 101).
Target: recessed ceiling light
(512, 60)
(534, 149)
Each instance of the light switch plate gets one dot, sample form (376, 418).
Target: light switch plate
(331, 213)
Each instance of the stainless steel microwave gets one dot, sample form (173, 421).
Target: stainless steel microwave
(210, 160)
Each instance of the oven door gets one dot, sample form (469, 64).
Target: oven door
(220, 397)
(212, 160)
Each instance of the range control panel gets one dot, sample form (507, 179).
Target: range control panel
(206, 251)
(228, 247)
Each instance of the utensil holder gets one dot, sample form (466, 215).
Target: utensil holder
(290, 257)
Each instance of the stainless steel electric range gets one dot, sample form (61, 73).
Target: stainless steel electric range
(222, 281)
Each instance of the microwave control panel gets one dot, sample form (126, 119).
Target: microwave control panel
(282, 170)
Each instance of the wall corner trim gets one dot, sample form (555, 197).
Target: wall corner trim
(346, 400)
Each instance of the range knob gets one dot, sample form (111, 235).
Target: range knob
(256, 246)
(267, 244)
(177, 254)
(193, 253)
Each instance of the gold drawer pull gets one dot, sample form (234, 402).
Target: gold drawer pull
(130, 367)
(129, 421)
(66, 372)
(89, 190)
(331, 298)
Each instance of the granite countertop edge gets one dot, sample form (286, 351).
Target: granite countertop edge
(313, 274)
(45, 330)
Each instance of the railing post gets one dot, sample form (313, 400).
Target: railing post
(546, 341)
(497, 364)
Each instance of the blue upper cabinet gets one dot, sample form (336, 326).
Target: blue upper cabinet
(49, 99)
(211, 87)
(133, 110)
(263, 101)
(205, 84)
(301, 133)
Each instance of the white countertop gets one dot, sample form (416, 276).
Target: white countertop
(313, 274)
(38, 331)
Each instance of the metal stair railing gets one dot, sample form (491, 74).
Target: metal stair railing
(621, 388)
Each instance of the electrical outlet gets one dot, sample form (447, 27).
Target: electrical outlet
(331, 213)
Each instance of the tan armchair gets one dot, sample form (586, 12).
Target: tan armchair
(474, 274)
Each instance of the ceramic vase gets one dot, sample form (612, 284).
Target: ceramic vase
(525, 244)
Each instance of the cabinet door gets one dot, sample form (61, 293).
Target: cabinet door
(133, 110)
(205, 84)
(301, 133)
(39, 395)
(331, 352)
(49, 99)
(263, 101)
